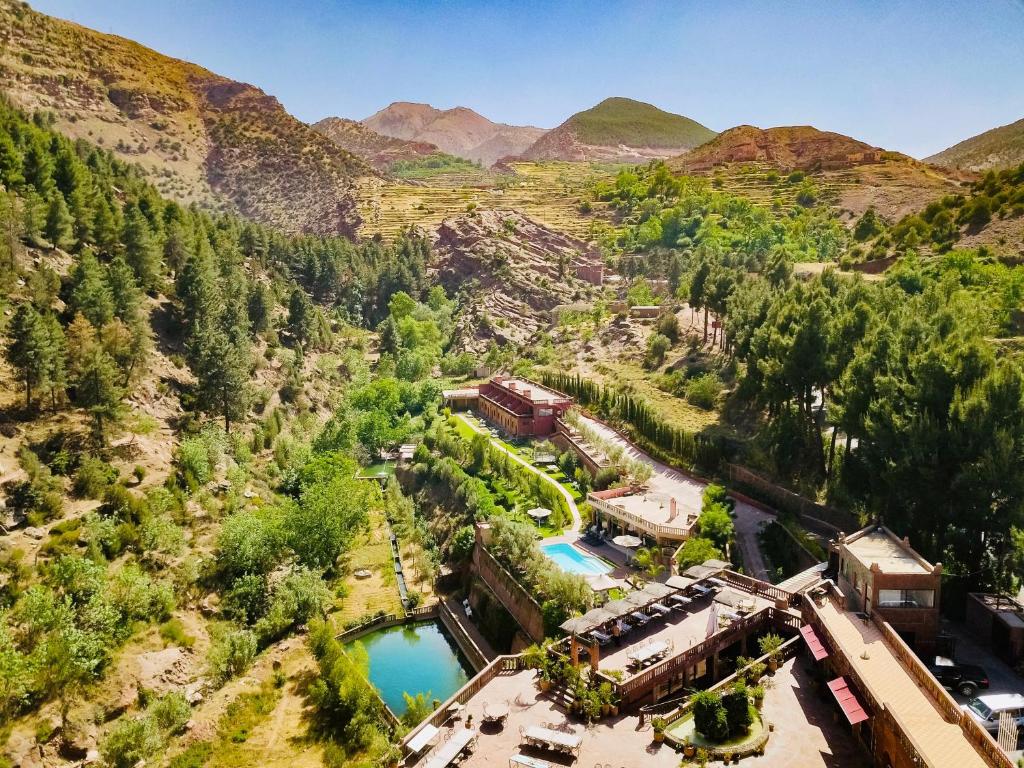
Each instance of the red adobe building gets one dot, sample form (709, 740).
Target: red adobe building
(521, 407)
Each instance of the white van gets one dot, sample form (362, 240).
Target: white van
(987, 709)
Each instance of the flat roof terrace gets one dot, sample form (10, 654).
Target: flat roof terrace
(891, 554)
(538, 393)
(805, 735)
(942, 744)
(653, 507)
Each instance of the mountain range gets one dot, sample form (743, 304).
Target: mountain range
(459, 131)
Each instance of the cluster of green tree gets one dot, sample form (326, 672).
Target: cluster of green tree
(434, 164)
(640, 420)
(999, 194)
(715, 528)
(127, 241)
(723, 716)
(348, 711)
(414, 335)
(661, 212)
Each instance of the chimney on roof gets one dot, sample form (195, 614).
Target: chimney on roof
(526, 392)
(512, 386)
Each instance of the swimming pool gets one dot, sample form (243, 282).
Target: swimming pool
(572, 560)
(414, 658)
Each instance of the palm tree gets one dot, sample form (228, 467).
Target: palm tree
(648, 560)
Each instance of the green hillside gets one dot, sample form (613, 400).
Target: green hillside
(619, 120)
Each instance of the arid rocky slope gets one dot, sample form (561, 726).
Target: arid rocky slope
(1001, 147)
(513, 272)
(799, 147)
(619, 130)
(458, 131)
(378, 150)
(202, 137)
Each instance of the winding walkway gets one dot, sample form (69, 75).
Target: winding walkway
(688, 490)
(577, 521)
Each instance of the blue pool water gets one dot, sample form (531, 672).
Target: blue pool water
(414, 658)
(572, 560)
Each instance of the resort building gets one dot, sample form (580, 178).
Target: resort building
(895, 708)
(521, 407)
(656, 516)
(878, 572)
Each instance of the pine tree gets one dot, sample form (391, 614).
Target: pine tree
(300, 316)
(260, 306)
(33, 215)
(141, 250)
(222, 373)
(106, 227)
(94, 374)
(30, 349)
(59, 224)
(56, 369)
(90, 293)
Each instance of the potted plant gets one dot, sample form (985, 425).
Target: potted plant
(702, 757)
(605, 692)
(614, 704)
(659, 725)
(689, 750)
(591, 706)
(758, 693)
(769, 645)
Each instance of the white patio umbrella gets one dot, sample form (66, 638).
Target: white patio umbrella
(602, 582)
(712, 621)
(627, 541)
(539, 513)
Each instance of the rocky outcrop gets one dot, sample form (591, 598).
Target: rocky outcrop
(512, 272)
(378, 150)
(787, 148)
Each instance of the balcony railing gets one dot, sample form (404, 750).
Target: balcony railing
(655, 529)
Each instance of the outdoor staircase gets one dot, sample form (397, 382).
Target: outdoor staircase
(561, 696)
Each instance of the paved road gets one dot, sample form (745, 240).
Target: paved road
(570, 502)
(688, 490)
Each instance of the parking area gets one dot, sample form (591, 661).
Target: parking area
(1002, 678)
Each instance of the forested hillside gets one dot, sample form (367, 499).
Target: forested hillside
(171, 513)
(901, 397)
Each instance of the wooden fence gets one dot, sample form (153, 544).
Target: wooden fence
(501, 665)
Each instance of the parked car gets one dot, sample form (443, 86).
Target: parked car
(965, 679)
(986, 710)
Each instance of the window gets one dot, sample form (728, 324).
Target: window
(906, 598)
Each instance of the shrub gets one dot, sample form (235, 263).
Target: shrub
(92, 477)
(172, 712)
(737, 709)
(703, 391)
(173, 632)
(131, 741)
(232, 654)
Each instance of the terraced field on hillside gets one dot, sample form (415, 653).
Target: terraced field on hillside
(549, 193)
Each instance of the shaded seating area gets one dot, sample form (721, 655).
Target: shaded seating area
(462, 740)
(496, 713)
(558, 740)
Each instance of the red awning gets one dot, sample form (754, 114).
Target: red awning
(848, 701)
(817, 648)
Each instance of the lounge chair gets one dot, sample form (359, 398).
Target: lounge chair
(601, 637)
(640, 618)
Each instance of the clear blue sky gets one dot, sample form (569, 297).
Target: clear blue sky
(905, 75)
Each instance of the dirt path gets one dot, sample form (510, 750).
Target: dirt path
(748, 521)
(577, 521)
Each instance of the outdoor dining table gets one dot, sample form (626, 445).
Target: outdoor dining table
(496, 712)
(664, 610)
(681, 600)
(548, 737)
(528, 762)
(640, 617)
(451, 748)
(426, 735)
(647, 652)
